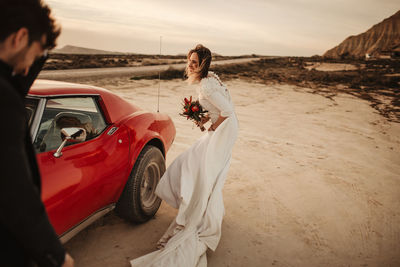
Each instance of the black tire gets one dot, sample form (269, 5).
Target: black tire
(138, 202)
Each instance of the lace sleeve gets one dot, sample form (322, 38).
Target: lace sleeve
(221, 103)
(208, 87)
(210, 90)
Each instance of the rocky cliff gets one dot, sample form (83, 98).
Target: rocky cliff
(382, 38)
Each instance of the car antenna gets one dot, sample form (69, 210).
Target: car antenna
(159, 81)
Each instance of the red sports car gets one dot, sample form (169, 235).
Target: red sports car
(96, 152)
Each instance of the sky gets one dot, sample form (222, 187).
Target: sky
(234, 27)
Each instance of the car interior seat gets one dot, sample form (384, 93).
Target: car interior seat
(52, 139)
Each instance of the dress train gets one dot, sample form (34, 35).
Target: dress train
(193, 184)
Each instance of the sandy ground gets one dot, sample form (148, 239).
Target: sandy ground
(313, 182)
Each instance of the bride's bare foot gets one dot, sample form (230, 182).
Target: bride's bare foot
(160, 246)
(172, 230)
(162, 242)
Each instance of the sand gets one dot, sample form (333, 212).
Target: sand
(313, 182)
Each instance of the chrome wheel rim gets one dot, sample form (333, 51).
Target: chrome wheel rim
(150, 179)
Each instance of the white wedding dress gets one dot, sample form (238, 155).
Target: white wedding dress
(193, 184)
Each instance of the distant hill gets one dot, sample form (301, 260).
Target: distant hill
(382, 38)
(70, 49)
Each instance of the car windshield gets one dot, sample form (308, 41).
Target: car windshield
(31, 105)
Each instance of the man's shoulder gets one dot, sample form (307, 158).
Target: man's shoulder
(6, 87)
(9, 95)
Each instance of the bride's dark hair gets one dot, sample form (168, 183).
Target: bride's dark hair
(205, 57)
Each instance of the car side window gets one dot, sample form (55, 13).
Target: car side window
(67, 112)
(31, 105)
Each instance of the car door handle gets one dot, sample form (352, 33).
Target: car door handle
(112, 130)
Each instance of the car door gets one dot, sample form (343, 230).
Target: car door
(88, 175)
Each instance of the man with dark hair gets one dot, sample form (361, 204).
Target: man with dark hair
(26, 235)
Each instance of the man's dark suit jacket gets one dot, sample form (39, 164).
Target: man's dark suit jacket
(26, 235)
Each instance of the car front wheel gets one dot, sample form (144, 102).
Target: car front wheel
(138, 202)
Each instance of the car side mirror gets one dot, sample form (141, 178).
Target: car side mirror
(73, 134)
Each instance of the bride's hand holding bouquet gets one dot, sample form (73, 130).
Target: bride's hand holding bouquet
(194, 111)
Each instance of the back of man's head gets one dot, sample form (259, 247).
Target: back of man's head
(31, 14)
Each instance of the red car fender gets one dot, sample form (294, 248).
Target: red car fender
(148, 129)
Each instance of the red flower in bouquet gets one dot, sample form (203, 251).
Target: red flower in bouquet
(194, 111)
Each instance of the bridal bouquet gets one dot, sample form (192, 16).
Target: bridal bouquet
(194, 111)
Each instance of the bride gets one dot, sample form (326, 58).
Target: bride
(193, 182)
